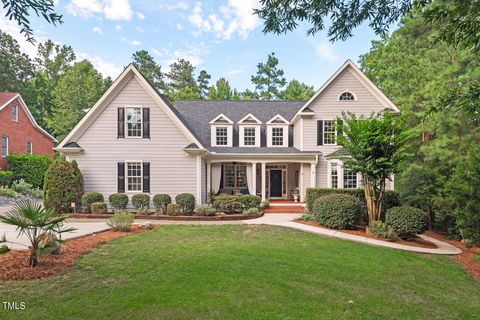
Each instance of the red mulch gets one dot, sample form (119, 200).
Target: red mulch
(362, 231)
(466, 258)
(14, 264)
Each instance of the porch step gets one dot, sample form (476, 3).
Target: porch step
(285, 209)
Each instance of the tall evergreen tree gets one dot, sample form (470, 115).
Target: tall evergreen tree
(268, 79)
(182, 84)
(203, 80)
(146, 64)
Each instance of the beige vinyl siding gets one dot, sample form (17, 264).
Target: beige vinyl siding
(172, 170)
(204, 182)
(297, 134)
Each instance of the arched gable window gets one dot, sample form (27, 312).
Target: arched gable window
(346, 96)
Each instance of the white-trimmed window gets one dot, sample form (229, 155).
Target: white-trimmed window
(249, 136)
(339, 177)
(134, 176)
(29, 147)
(277, 136)
(221, 136)
(134, 122)
(334, 175)
(329, 132)
(350, 180)
(235, 176)
(346, 96)
(15, 113)
(4, 146)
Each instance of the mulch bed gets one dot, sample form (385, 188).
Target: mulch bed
(362, 231)
(14, 264)
(466, 258)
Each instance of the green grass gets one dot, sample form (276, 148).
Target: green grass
(247, 272)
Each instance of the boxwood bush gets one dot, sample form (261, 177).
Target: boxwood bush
(205, 210)
(228, 203)
(186, 202)
(98, 207)
(382, 230)
(406, 221)
(90, 197)
(141, 202)
(250, 201)
(29, 167)
(174, 209)
(337, 211)
(160, 202)
(118, 201)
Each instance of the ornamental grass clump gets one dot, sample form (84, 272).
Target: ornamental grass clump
(121, 221)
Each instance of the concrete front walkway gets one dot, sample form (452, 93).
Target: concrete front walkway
(285, 220)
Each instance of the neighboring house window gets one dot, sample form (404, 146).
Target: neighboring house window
(277, 136)
(249, 136)
(29, 147)
(329, 132)
(4, 146)
(134, 176)
(221, 136)
(134, 122)
(346, 96)
(349, 180)
(334, 176)
(15, 113)
(235, 176)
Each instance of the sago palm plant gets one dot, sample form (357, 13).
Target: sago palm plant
(42, 227)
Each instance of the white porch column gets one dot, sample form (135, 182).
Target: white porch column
(302, 189)
(313, 177)
(199, 180)
(254, 178)
(264, 167)
(209, 177)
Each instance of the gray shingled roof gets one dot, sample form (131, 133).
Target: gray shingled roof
(197, 114)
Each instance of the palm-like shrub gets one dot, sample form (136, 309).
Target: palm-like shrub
(42, 227)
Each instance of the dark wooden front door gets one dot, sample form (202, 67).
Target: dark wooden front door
(275, 183)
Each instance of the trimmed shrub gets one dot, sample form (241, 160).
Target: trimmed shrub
(161, 201)
(265, 204)
(90, 197)
(382, 230)
(141, 202)
(228, 203)
(7, 192)
(6, 178)
(406, 221)
(30, 167)
(250, 201)
(63, 186)
(337, 211)
(205, 210)
(250, 211)
(186, 202)
(174, 209)
(98, 207)
(121, 221)
(118, 201)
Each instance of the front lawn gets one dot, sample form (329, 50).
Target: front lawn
(247, 272)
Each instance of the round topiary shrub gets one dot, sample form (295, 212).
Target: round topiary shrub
(337, 211)
(141, 202)
(118, 201)
(98, 207)
(90, 197)
(161, 201)
(186, 202)
(406, 221)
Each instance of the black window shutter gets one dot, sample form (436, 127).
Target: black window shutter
(146, 177)
(320, 132)
(121, 123)
(121, 177)
(146, 123)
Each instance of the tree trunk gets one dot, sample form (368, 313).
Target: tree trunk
(32, 260)
(374, 200)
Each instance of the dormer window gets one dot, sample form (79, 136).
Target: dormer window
(346, 96)
(277, 136)
(221, 131)
(249, 136)
(277, 132)
(249, 131)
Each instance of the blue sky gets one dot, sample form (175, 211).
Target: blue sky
(222, 37)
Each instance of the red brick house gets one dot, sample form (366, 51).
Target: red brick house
(19, 132)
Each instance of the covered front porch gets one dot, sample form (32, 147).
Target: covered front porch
(276, 178)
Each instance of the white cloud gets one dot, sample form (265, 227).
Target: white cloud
(325, 50)
(97, 30)
(118, 27)
(132, 42)
(11, 27)
(179, 26)
(180, 5)
(111, 9)
(139, 29)
(236, 17)
(140, 16)
(106, 68)
(192, 53)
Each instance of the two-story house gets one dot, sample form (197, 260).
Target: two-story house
(19, 132)
(132, 140)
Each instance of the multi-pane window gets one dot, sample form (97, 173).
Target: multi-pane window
(134, 122)
(29, 147)
(4, 146)
(277, 136)
(249, 136)
(349, 180)
(334, 176)
(221, 136)
(235, 176)
(134, 176)
(14, 113)
(329, 132)
(346, 96)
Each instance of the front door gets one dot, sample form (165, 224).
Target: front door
(276, 183)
